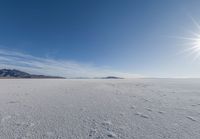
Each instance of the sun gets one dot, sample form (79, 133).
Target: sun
(193, 42)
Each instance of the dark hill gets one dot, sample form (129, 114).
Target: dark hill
(112, 77)
(13, 73)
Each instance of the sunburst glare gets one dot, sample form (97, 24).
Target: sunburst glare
(193, 42)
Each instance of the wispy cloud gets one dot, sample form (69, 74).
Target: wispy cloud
(47, 66)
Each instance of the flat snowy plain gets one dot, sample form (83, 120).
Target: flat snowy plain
(100, 109)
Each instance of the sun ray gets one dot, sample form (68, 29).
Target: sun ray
(193, 42)
(195, 22)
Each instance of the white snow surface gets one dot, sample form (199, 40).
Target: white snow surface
(100, 109)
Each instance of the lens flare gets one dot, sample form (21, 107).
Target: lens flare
(193, 42)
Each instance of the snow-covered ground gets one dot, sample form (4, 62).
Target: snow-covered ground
(100, 109)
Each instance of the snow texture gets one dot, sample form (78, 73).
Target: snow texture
(100, 109)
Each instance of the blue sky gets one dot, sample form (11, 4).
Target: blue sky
(101, 37)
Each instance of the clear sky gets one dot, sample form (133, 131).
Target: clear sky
(99, 37)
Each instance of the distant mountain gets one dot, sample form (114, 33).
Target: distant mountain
(112, 77)
(13, 73)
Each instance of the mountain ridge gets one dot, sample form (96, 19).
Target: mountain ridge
(13, 73)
